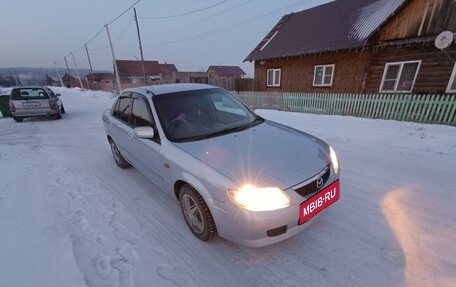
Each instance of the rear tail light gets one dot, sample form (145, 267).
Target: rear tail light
(52, 104)
(12, 107)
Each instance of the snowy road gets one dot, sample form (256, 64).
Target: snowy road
(70, 217)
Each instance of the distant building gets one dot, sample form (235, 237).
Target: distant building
(193, 77)
(234, 72)
(71, 81)
(100, 81)
(360, 46)
(131, 72)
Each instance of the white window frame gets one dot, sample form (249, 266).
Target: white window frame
(452, 79)
(274, 84)
(399, 76)
(324, 73)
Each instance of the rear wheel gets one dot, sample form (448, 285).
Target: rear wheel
(57, 116)
(18, 119)
(196, 213)
(118, 158)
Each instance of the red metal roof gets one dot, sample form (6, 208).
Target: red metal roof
(227, 71)
(338, 25)
(129, 68)
(99, 76)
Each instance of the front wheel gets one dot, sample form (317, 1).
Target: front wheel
(118, 158)
(19, 120)
(196, 213)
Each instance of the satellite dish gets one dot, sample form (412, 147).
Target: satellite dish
(444, 40)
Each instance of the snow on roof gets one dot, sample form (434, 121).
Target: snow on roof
(338, 25)
(372, 16)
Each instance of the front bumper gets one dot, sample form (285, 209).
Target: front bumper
(261, 228)
(251, 228)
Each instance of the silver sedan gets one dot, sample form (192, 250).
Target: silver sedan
(235, 174)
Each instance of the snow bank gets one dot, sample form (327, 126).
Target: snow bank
(70, 217)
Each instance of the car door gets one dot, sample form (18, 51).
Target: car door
(121, 128)
(146, 152)
(54, 97)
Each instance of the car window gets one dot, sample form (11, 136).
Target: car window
(141, 114)
(195, 115)
(115, 108)
(228, 105)
(124, 109)
(50, 92)
(29, 94)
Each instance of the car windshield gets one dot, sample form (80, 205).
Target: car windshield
(28, 93)
(195, 115)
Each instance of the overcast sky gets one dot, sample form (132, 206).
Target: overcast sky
(192, 34)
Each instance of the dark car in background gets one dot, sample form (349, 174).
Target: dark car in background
(35, 101)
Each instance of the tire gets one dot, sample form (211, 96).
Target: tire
(57, 116)
(19, 120)
(62, 110)
(118, 158)
(196, 213)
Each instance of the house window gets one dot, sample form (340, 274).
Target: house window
(323, 75)
(400, 76)
(452, 83)
(273, 77)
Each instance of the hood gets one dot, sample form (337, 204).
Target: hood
(269, 154)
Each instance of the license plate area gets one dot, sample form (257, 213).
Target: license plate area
(31, 104)
(318, 202)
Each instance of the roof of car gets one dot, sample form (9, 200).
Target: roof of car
(28, 87)
(171, 88)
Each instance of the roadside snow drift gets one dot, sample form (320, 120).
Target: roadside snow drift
(70, 217)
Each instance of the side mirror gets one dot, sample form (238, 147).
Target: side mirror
(144, 132)
(57, 95)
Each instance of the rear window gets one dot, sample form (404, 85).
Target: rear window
(28, 93)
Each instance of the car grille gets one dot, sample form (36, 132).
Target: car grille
(312, 187)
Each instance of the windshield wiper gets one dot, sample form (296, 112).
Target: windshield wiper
(225, 131)
(258, 120)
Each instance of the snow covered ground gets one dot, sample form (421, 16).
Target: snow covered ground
(70, 217)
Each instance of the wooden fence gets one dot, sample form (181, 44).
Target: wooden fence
(439, 109)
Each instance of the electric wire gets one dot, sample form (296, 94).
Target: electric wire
(202, 20)
(128, 9)
(262, 16)
(183, 14)
(102, 28)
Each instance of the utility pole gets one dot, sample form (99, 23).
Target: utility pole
(13, 76)
(77, 71)
(68, 68)
(88, 57)
(58, 74)
(116, 70)
(90, 65)
(140, 47)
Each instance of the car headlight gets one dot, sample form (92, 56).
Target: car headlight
(259, 199)
(334, 160)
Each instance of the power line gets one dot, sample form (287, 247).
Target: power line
(116, 39)
(96, 35)
(102, 28)
(202, 20)
(132, 5)
(124, 30)
(112, 21)
(184, 14)
(223, 28)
